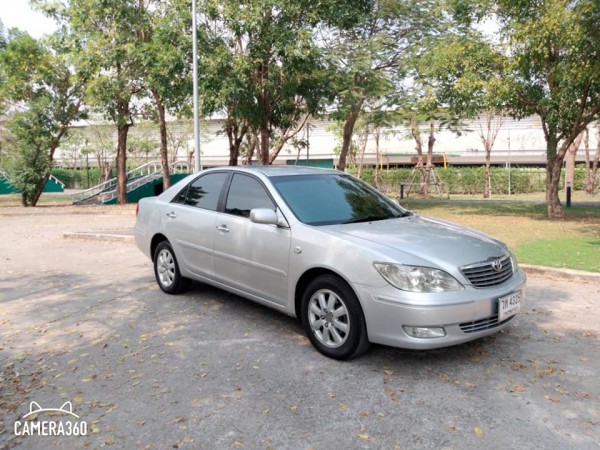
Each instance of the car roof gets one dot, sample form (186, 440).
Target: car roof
(274, 171)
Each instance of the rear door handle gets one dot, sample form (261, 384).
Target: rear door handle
(223, 228)
(171, 215)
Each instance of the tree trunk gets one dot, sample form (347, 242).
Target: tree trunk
(570, 161)
(493, 123)
(38, 191)
(286, 135)
(415, 130)
(265, 106)
(122, 132)
(363, 149)
(377, 134)
(164, 155)
(252, 143)
(234, 154)
(53, 146)
(235, 136)
(591, 167)
(553, 170)
(430, 143)
(487, 193)
(263, 155)
(348, 132)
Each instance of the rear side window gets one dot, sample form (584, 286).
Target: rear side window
(246, 194)
(204, 192)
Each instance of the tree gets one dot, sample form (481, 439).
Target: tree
(110, 38)
(468, 75)
(45, 91)
(553, 53)
(167, 62)
(369, 61)
(276, 75)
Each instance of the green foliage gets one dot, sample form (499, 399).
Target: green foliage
(275, 70)
(471, 180)
(46, 95)
(28, 161)
(77, 179)
(467, 73)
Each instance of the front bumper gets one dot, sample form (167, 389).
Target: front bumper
(464, 315)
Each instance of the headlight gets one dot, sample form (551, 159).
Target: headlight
(417, 279)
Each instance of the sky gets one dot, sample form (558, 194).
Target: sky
(18, 13)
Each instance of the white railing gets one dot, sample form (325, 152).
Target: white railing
(56, 180)
(51, 177)
(143, 174)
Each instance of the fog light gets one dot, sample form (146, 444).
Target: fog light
(425, 332)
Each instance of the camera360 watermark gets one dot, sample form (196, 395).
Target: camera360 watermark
(61, 422)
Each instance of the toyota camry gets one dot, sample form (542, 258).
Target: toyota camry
(321, 245)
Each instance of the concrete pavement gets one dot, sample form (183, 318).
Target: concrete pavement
(83, 321)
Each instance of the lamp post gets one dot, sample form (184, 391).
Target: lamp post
(197, 159)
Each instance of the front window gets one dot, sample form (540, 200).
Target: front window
(246, 194)
(333, 199)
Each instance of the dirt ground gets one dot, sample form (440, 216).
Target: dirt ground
(83, 321)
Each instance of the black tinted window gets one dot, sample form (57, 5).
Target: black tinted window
(332, 199)
(204, 192)
(245, 194)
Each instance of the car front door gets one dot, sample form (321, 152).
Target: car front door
(251, 257)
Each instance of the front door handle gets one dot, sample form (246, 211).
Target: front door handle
(171, 215)
(223, 228)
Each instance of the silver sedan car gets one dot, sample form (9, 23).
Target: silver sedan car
(321, 245)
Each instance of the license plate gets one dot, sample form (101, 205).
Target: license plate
(509, 305)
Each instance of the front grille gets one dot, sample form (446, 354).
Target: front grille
(482, 324)
(489, 273)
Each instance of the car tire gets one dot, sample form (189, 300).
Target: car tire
(166, 270)
(333, 318)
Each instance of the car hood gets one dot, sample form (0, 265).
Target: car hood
(442, 243)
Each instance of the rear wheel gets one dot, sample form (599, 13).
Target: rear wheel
(333, 318)
(166, 270)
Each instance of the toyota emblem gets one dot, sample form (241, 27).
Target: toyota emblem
(497, 265)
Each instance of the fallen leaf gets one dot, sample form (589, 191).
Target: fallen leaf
(478, 432)
(365, 437)
(391, 394)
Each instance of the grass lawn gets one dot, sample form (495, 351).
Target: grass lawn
(522, 224)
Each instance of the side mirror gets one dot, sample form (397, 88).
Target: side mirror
(264, 215)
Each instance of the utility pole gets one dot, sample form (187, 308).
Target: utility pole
(197, 159)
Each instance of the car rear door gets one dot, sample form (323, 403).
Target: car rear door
(190, 223)
(251, 257)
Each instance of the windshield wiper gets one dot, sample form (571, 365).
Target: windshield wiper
(370, 218)
(373, 218)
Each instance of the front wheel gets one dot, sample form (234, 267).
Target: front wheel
(166, 270)
(333, 318)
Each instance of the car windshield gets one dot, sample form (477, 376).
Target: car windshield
(333, 199)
